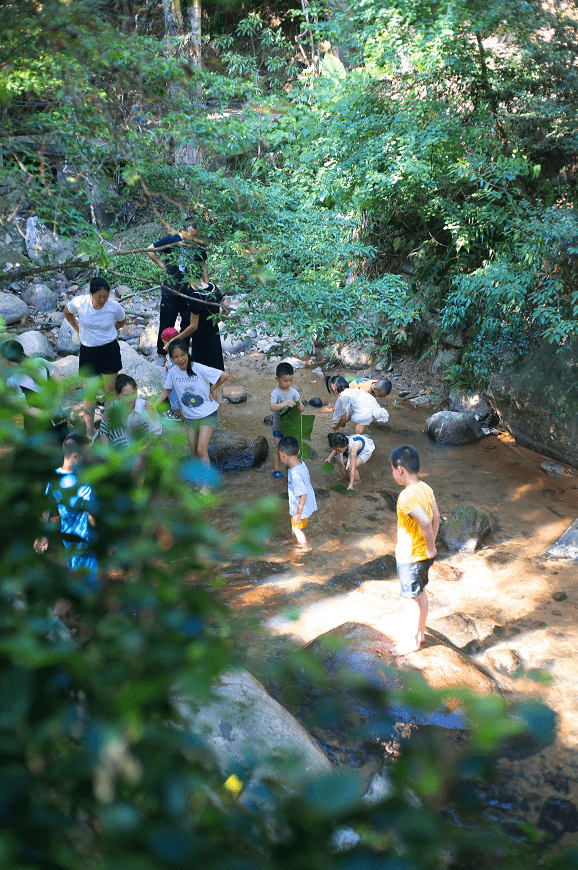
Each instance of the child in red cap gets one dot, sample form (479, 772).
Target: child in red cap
(174, 413)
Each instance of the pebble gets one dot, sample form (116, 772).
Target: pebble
(559, 596)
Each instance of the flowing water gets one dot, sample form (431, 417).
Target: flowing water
(507, 596)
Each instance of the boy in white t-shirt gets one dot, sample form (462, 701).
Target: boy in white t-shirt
(302, 501)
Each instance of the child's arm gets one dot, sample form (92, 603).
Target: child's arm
(340, 423)
(212, 392)
(162, 398)
(427, 529)
(436, 519)
(300, 506)
(332, 456)
(279, 406)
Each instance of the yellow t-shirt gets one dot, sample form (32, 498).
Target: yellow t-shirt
(411, 546)
(362, 385)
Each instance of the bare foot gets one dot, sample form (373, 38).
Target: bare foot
(401, 649)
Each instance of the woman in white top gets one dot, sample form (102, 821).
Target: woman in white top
(96, 319)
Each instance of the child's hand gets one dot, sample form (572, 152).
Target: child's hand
(289, 403)
(213, 396)
(40, 545)
(350, 487)
(301, 407)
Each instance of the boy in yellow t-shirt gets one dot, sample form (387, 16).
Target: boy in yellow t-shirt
(418, 521)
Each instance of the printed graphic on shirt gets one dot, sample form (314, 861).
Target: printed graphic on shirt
(191, 400)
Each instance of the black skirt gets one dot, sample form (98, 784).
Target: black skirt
(101, 360)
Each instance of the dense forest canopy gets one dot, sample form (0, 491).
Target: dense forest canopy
(390, 159)
(354, 168)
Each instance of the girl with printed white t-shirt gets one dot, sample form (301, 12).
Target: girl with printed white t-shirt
(196, 386)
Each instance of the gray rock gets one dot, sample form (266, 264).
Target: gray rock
(248, 730)
(471, 403)
(294, 361)
(232, 452)
(465, 528)
(354, 356)
(566, 547)
(505, 660)
(235, 395)
(453, 427)
(12, 308)
(149, 377)
(121, 290)
(554, 469)
(148, 339)
(131, 331)
(538, 402)
(36, 344)
(233, 344)
(41, 297)
(67, 341)
(67, 366)
(316, 402)
(42, 245)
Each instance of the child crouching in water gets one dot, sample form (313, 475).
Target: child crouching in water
(356, 405)
(302, 501)
(356, 449)
(379, 389)
(129, 417)
(196, 387)
(418, 522)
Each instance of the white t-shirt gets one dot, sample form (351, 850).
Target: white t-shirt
(97, 325)
(298, 484)
(43, 369)
(193, 392)
(365, 447)
(278, 396)
(363, 407)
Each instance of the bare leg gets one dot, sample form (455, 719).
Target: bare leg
(276, 459)
(299, 536)
(424, 610)
(205, 433)
(360, 428)
(413, 614)
(89, 407)
(192, 435)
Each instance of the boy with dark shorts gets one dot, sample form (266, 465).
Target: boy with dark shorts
(418, 520)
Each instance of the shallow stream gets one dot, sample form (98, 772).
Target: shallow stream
(507, 596)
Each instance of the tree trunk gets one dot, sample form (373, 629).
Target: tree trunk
(194, 9)
(173, 17)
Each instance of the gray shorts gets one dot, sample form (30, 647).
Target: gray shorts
(413, 577)
(198, 422)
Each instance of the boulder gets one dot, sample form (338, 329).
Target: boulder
(149, 377)
(454, 427)
(465, 528)
(36, 344)
(12, 308)
(41, 297)
(233, 344)
(504, 660)
(235, 395)
(382, 568)
(354, 356)
(566, 547)
(67, 366)
(554, 469)
(251, 734)
(42, 245)
(469, 403)
(131, 331)
(147, 343)
(538, 402)
(67, 341)
(232, 452)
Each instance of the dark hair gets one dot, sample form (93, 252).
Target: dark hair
(289, 445)
(383, 386)
(97, 284)
(337, 439)
(123, 381)
(406, 456)
(284, 368)
(190, 220)
(74, 443)
(183, 345)
(336, 381)
(12, 351)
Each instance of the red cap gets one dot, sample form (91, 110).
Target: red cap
(168, 333)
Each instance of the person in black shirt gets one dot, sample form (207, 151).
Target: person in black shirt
(200, 322)
(184, 259)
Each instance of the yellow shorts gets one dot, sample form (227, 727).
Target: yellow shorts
(300, 524)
